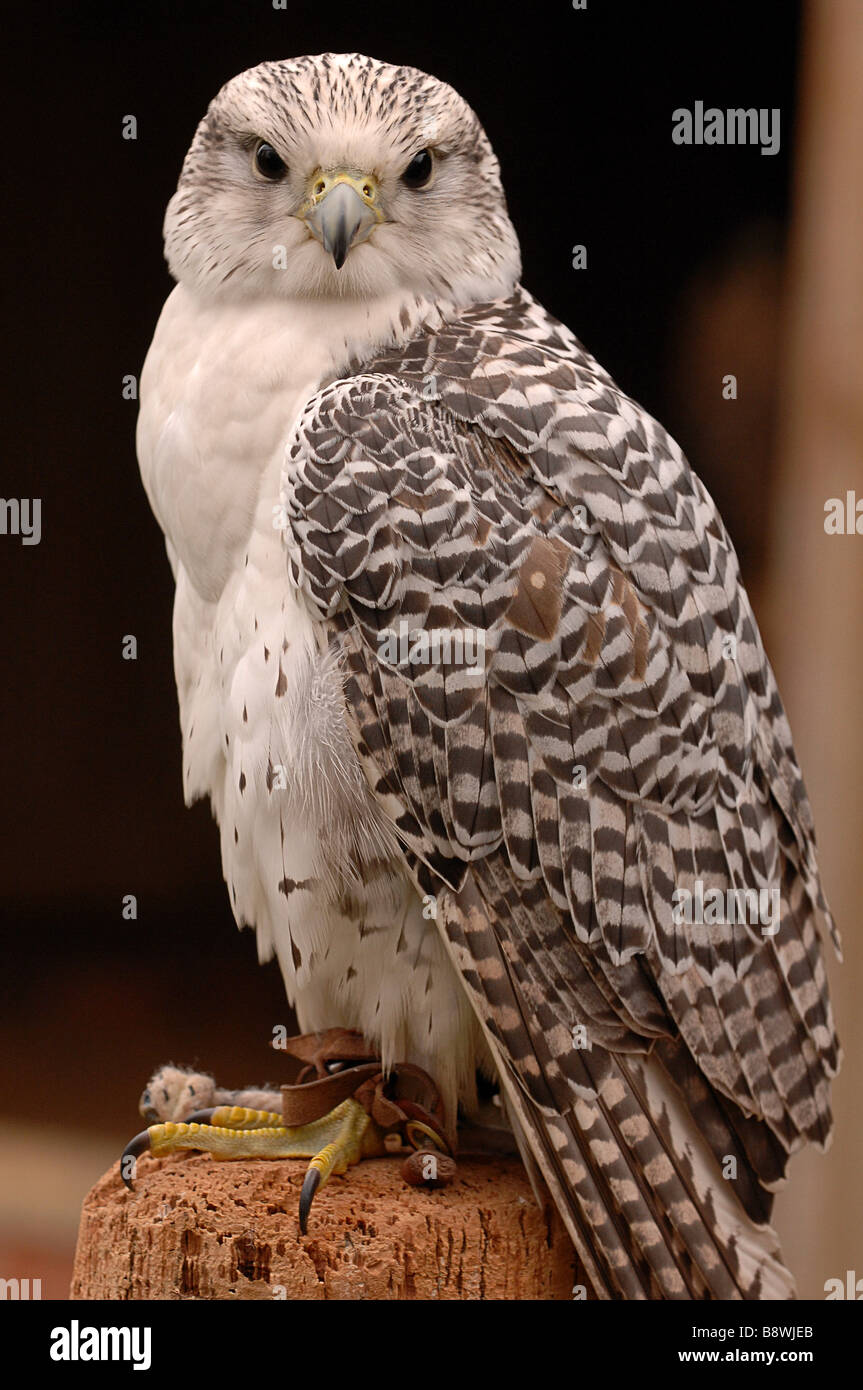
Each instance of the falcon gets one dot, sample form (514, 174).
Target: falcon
(467, 672)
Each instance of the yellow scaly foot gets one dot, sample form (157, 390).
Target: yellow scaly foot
(334, 1142)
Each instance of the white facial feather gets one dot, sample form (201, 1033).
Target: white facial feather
(230, 234)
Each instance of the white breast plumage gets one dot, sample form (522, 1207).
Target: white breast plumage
(307, 856)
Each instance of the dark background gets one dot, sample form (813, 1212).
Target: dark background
(685, 254)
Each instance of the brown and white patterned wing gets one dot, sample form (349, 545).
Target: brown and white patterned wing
(621, 739)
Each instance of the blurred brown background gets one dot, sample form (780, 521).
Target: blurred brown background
(701, 262)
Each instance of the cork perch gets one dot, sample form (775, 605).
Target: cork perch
(196, 1228)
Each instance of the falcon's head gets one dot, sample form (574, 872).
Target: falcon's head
(341, 177)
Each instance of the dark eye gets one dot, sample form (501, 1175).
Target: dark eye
(268, 163)
(419, 171)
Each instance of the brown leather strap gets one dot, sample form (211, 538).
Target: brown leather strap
(333, 1046)
(310, 1100)
(405, 1096)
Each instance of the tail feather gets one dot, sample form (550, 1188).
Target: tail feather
(643, 1197)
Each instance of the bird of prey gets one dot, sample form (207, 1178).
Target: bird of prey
(467, 671)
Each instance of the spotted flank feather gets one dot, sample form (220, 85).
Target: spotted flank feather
(611, 746)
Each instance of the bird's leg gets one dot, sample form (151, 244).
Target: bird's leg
(334, 1142)
(343, 1108)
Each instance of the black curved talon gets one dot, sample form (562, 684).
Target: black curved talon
(201, 1117)
(310, 1187)
(135, 1147)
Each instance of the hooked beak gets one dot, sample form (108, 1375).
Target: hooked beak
(341, 212)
